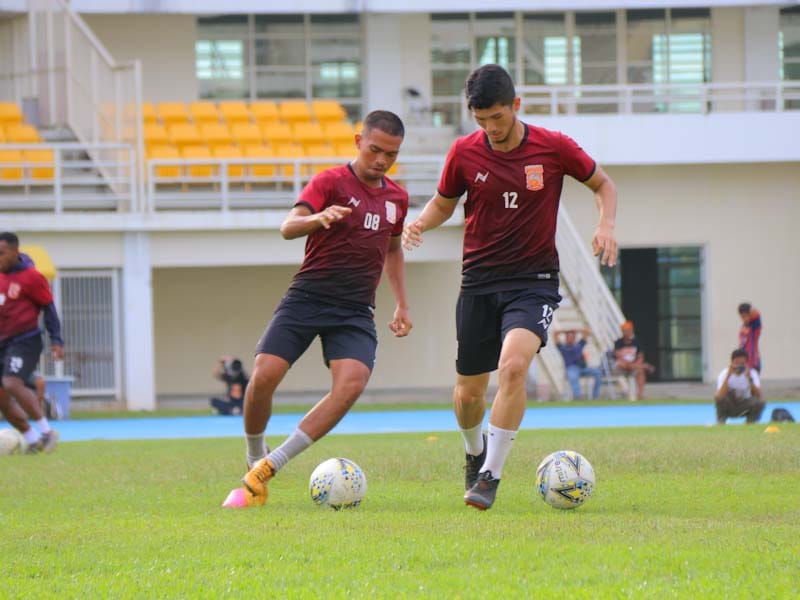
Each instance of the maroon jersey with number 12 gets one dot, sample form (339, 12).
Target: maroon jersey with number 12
(344, 263)
(512, 205)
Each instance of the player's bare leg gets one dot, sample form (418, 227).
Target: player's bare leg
(27, 401)
(13, 413)
(469, 404)
(268, 371)
(349, 378)
(508, 408)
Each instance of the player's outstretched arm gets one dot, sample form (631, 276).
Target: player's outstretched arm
(604, 244)
(396, 272)
(436, 211)
(301, 221)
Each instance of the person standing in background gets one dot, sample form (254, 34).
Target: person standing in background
(749, 334)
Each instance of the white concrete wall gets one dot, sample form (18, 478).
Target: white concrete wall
(397, 57)
(744, 216)
(163, 43)
(202, 313)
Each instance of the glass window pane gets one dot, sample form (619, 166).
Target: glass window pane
(449, 82)
(544, 48)
(679, 333)
(220, 59)
(336, 25)
(643, 27)
(335, 50)
(281, 84)
(280, 24)
(280, 52)
(337, 80)
(598, 47)
(679, 302)
(223, 88)
(450, 41)
(224, 25)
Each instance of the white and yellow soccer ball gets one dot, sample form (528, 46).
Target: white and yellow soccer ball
(337, 483)
(11, 442)
(565, 479)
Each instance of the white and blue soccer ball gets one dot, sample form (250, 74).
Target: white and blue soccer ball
(337, 483)
(565, 479)
(11, 442)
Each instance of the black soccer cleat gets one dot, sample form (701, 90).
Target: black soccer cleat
(482, 494)
(473, 466)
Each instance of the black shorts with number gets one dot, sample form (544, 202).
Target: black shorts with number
(346, 331)
(483, 320)
(19, 358)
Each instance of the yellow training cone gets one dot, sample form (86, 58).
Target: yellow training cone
(772, 429)
(432, 438)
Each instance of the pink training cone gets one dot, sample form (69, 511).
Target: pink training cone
(235, 499)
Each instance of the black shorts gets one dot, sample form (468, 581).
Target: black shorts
(345, 331)
(483, 320)
(19, 358)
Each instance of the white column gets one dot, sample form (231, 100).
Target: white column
(761, 26)
(398, 57)
(137, 322)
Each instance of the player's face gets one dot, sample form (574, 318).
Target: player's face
(8, 257)
(497, 121)
(377, 151)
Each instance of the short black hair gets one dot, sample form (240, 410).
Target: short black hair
(489, 85)
(386, 121)
(739, 353)
(10, 238)
(745, 307)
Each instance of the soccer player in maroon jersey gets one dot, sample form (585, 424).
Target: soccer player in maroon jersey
(512, 173)
(353, 218)
(24, 294)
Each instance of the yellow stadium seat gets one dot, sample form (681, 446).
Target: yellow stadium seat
(320, 151)
(259, 151)
(339, 132)
(345, 150)
(2, 135)
(149, 113)
(155, 135)
(10, 113)
(294, 111)
(234, 111)
(203, 112)
(289, 151)
(328, 110)
(308, 133)
(277, 133)
(235, 171)
(9, 164)
(215, 134)
(197, 152)
(185, 134)
(165, 152)
(44, 160)
(246, 134)
(20, 133)
(173, 112)
(264, 111)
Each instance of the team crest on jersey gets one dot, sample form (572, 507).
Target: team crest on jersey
(534, 177)
(13, 291)
(391, 212)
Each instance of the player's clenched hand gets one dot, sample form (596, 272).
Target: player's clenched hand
(401, 323)
(332, 214)
(604, 245)
(57, 352)
(412, 235)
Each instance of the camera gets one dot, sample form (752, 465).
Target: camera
(739, 369)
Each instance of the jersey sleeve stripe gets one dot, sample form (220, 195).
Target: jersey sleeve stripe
(306, 204)
(592, 172)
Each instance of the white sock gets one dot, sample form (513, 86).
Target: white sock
(43, 426)
(256, 447)
(499, 445)
(473, 440)
(291, 447)
(31, 437)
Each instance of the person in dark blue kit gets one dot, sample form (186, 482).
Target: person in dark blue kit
(575, 363)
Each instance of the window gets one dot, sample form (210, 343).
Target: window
(789, 48)
(281, 56)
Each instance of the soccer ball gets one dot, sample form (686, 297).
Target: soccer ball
(565, 479)
(11, 442)
(338, 483)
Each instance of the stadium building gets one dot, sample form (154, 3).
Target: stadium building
(153, 149)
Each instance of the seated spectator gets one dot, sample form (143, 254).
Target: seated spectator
(630, 358)
(738, 391)
(231, 372)
(575, 362)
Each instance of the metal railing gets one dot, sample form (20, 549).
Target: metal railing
(770, 96)
(72, 180)
(580, 276)
(231, 183)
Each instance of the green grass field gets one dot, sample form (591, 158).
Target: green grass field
(677, 512)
